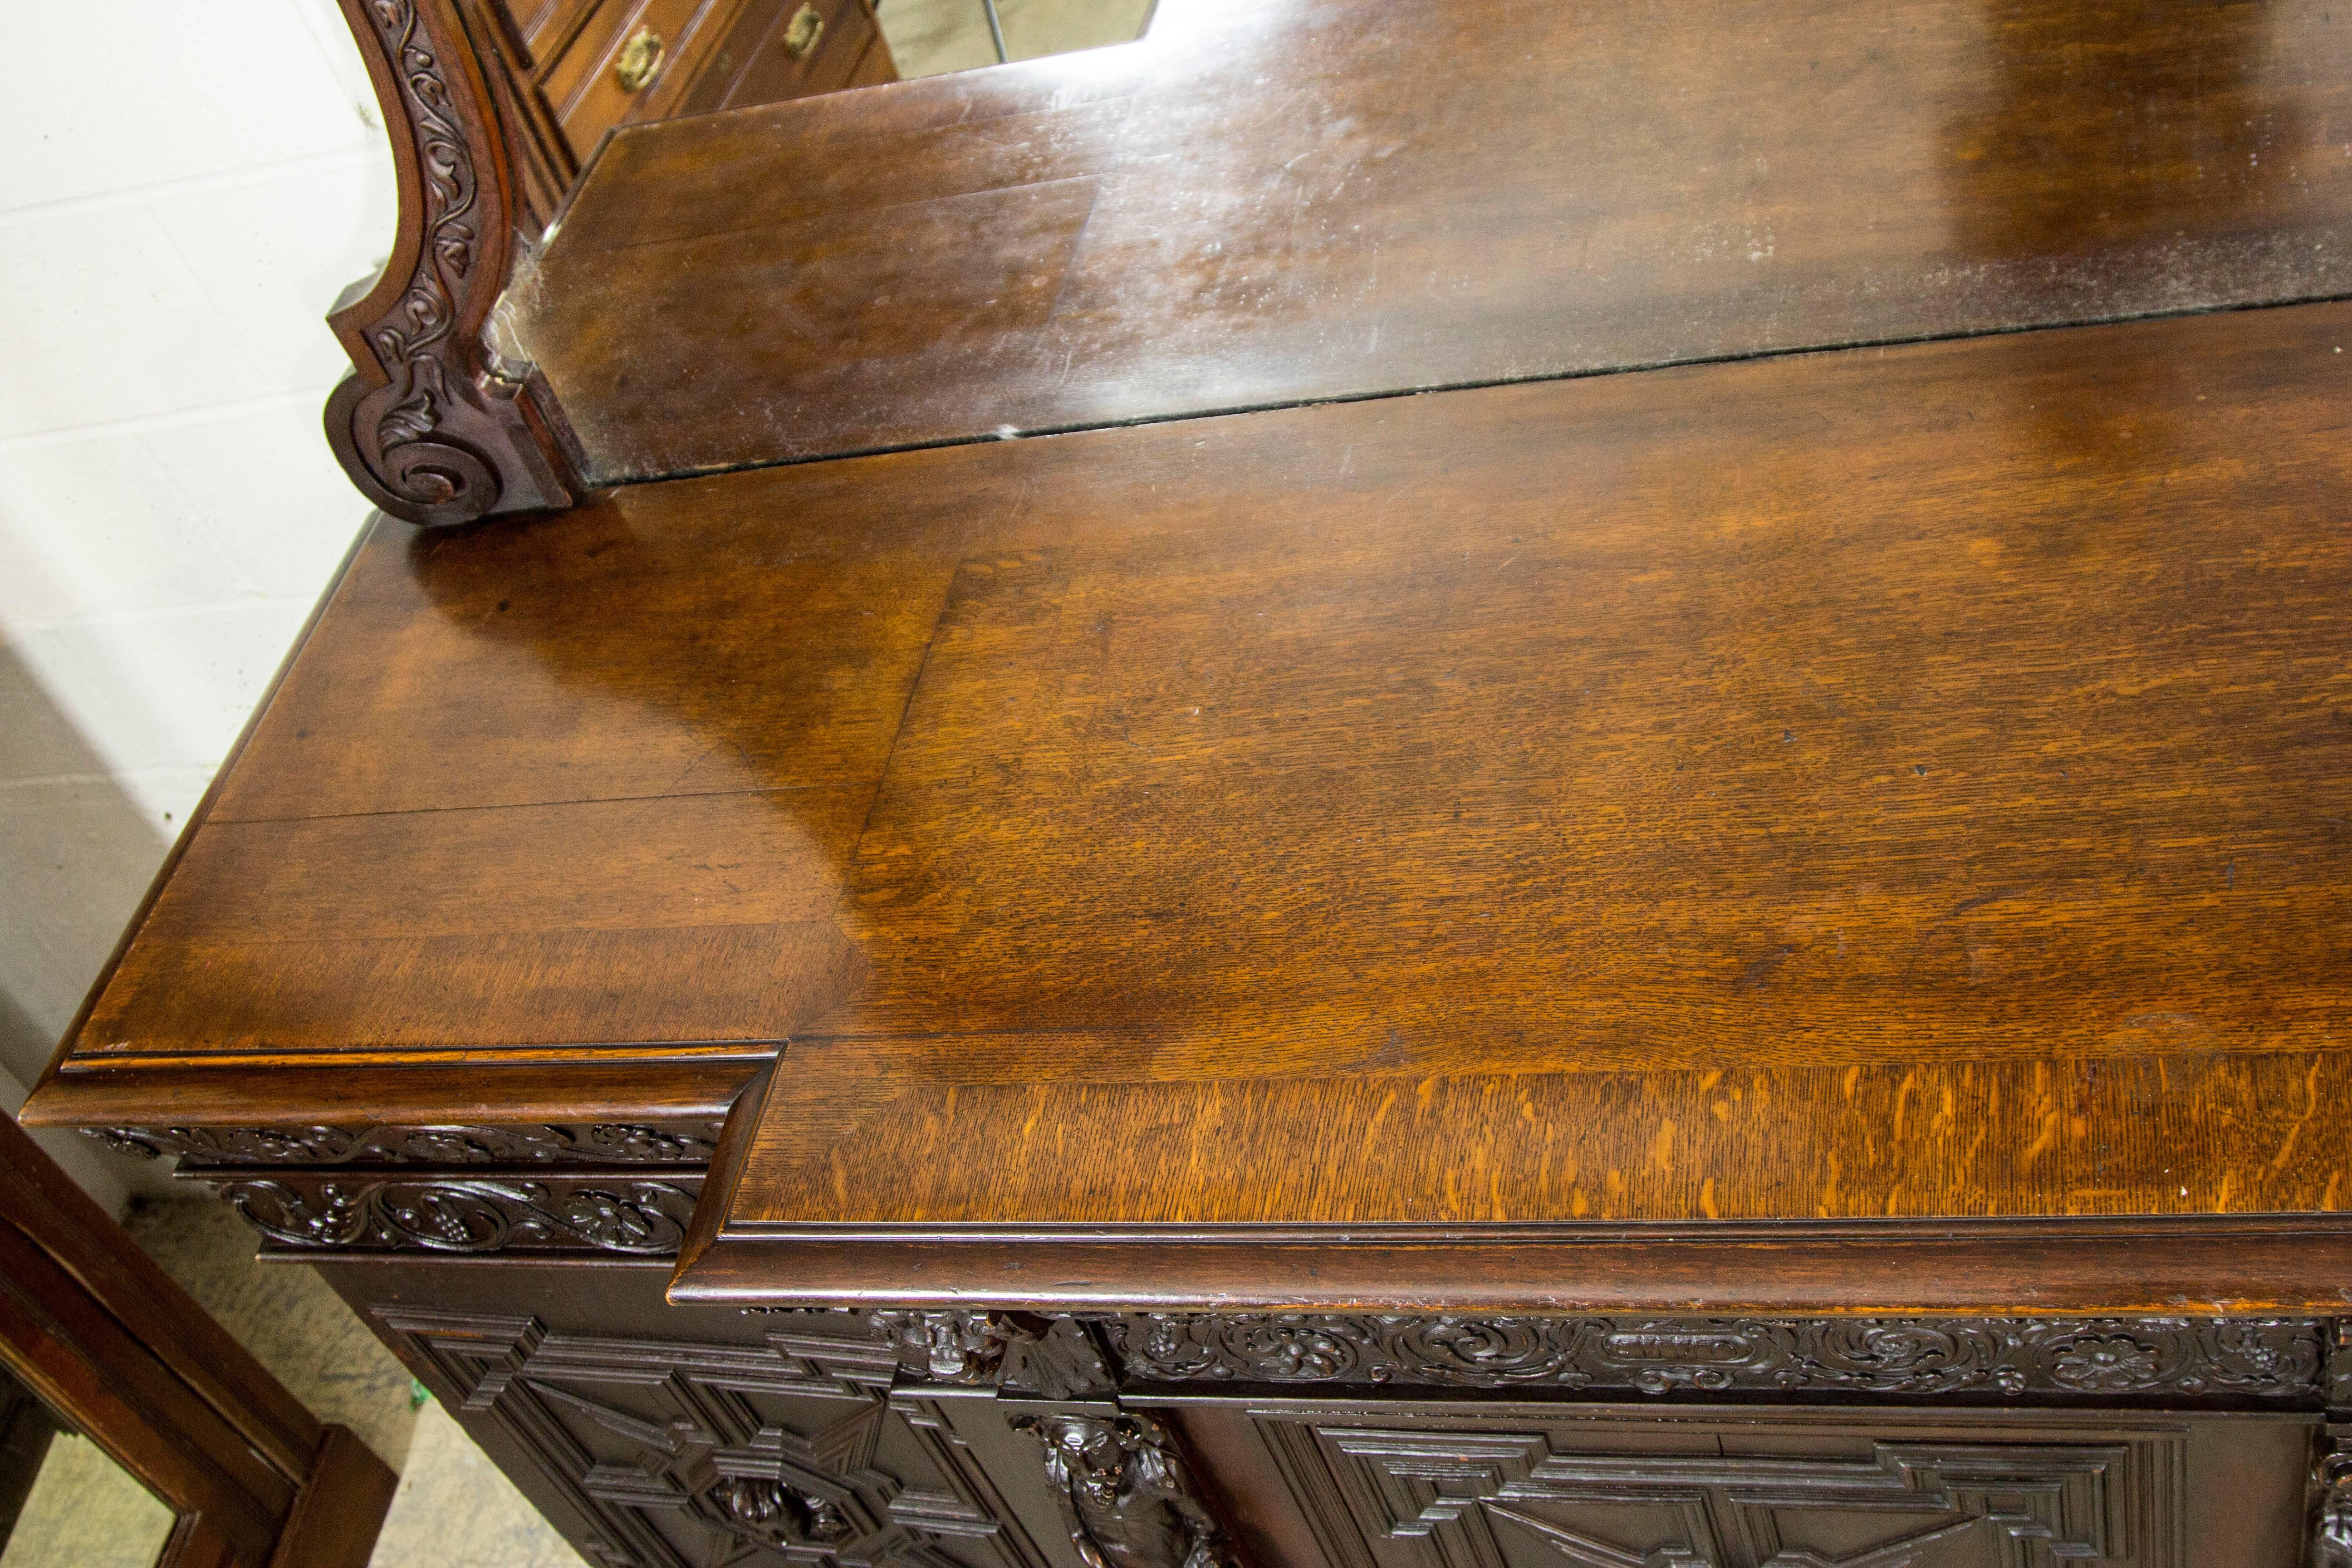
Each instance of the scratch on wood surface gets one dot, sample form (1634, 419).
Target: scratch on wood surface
(2310, 1107)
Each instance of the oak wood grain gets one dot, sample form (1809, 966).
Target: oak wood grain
(1814, 808)
(1902, 784)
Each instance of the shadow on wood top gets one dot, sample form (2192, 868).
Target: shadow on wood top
(1264, 203)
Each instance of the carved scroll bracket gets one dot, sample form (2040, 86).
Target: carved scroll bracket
(429, 425)
(1021, 1355)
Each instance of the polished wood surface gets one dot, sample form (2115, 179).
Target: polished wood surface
(1871, 788)
(1892, 785)
(1264, 203)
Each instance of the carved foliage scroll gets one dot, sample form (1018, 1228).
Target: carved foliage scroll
(679, 1455)
(2262, 1358)
(426, 427)
(452, 1214)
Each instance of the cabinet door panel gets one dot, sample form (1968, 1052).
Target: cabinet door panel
(1404, 1485)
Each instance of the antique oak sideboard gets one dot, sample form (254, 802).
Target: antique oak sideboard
(1168, 809)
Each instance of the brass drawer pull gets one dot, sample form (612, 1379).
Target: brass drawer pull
(641, 56)
(803, 31)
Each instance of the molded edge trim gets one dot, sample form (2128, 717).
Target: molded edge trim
(2091, 1266)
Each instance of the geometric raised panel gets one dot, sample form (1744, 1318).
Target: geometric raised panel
(1531, 1498)
(696, 1455)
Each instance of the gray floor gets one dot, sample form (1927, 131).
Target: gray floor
(453, 1508)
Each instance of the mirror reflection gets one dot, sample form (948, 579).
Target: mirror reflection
(566, 73)
(63, 1503)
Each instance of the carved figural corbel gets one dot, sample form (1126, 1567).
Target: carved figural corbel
(427, 425)
(2331, 1532)
(1124, 1493)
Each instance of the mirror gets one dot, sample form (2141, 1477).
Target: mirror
(64, 1501)
(565, 73)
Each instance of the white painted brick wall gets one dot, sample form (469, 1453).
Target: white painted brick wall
(186, 191)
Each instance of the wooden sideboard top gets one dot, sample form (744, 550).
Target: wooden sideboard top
(1266, 203)
(1835, 796)
(1900, 787)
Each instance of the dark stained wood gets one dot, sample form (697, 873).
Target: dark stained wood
(1791, 806)
(121, 1352)
(27, 1429)
(1261, 205)
(1526, 1481)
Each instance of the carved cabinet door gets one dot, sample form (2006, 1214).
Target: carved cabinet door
(1406, 1485)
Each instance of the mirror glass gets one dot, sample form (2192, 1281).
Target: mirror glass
(63, 1502)
(567, 73)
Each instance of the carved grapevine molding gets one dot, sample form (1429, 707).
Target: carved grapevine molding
(455, 1215)
(424, 428)
(600, 1142)
(2266, 1358)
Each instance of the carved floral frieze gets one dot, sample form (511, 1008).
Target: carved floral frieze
(455, 1214)
(2262, 1358)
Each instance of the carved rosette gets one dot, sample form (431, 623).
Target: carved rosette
(762, 1511)
(599, 1143)
(457, 1214)
(426, 427)
(2258, 1358)
(1125, 1494)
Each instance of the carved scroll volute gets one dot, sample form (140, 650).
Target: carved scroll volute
(426, 427)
